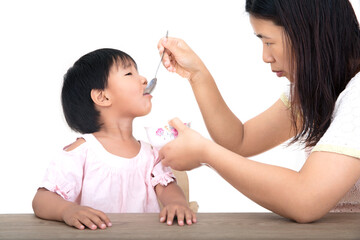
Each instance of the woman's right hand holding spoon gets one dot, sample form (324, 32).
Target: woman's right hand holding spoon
(180, 58)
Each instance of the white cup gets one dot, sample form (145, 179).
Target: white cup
(161, 135)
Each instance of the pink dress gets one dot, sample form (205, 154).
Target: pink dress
(91, 176)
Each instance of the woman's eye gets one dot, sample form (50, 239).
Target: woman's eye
(268, 44)
(128, 74)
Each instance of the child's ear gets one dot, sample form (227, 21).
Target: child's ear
(99, 98)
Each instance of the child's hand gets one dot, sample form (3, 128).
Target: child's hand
(82, 216)
(180, 211)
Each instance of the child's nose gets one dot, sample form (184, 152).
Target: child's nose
(144, 81)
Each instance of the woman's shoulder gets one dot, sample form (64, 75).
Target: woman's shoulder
(354, 83)
(351, 94)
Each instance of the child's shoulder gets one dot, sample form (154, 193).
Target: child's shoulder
(75, 144)
(147, 145)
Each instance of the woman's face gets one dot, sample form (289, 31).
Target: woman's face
(273, 39)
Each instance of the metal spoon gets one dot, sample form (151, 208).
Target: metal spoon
(151, 85)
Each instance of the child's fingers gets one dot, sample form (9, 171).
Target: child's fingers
(194, 219)
(163, 215)
(78, 225)
(98, 222)
(87, 222)
(180, 217)
(183, 215)
(107, 222)
(170, 216)
(101, 219)
(189, 217)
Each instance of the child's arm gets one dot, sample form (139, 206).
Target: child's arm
(49, 205)
(174, 202)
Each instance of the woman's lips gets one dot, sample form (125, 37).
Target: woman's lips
(278, 73)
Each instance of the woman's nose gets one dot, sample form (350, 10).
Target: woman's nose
(267, 56)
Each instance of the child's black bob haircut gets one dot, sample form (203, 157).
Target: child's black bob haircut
(91, 71)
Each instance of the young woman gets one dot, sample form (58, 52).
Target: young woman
(316, 46)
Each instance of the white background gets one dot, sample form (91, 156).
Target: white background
(40, 40)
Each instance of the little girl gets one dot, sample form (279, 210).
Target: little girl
(107, 170)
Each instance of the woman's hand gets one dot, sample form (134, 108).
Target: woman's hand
(187, 151)
(81, 217)
(182, 213)
(180, 58)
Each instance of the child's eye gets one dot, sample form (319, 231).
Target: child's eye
(128, 74)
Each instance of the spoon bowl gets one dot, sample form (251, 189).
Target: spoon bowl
(151, 85)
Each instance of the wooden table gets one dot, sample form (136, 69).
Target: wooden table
(209, 226)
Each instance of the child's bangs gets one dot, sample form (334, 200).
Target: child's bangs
(124, 61)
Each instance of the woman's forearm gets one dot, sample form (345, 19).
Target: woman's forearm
(278, 189)
(180, 58)
(216, 112)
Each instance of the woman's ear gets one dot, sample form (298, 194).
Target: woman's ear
(99, 98)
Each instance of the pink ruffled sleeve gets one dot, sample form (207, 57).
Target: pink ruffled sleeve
(65, 172)
(161, 174)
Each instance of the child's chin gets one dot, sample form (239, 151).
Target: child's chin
(146, 112)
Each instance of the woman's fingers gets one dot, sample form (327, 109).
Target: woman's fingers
(177, 124)
(167, 55)
(173, 45)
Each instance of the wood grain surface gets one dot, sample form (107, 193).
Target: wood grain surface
(209, 226)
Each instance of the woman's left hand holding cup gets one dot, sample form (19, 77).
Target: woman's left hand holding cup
(187, 151)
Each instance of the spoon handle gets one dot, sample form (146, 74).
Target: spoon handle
(162, 55)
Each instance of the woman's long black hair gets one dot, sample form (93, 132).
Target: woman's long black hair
(323, 39)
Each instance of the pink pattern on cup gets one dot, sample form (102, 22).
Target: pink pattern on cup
(174, 132)
(160, 132)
